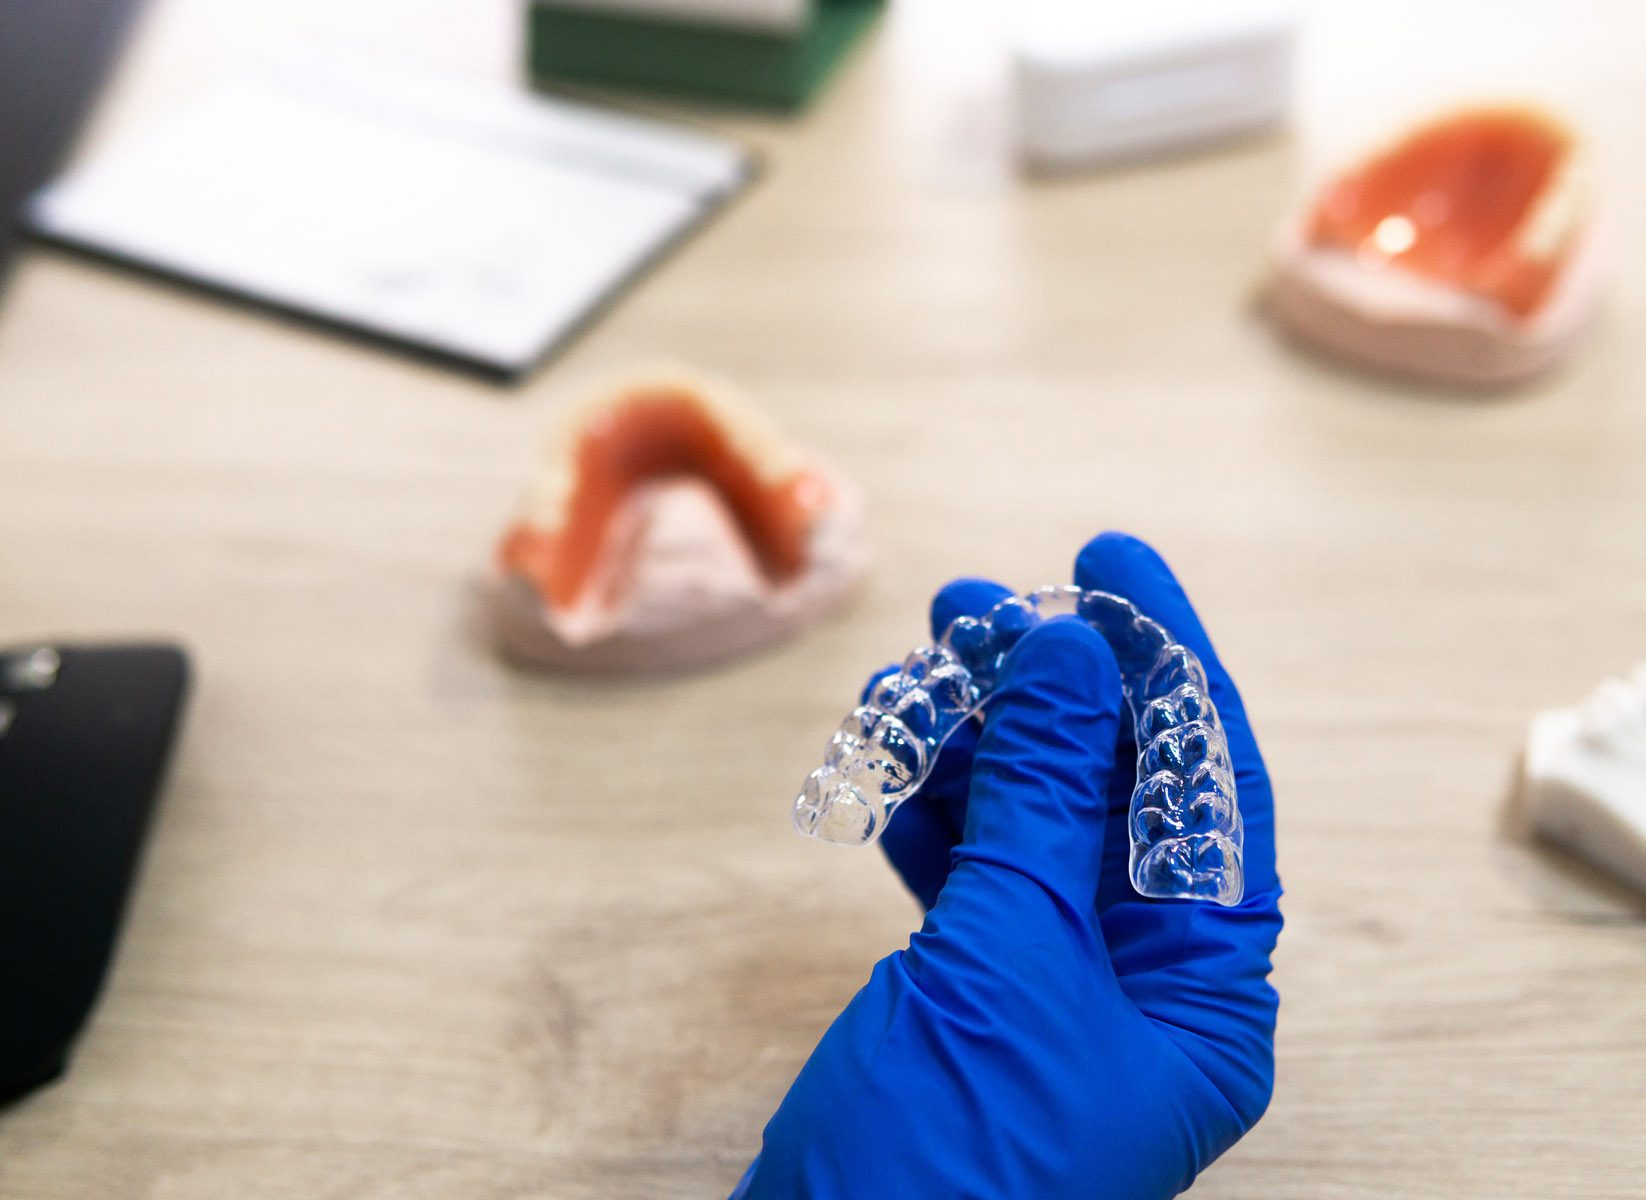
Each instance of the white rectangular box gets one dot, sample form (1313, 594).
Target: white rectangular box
(1102, 82)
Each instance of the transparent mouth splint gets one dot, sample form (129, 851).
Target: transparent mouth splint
(1183, 821)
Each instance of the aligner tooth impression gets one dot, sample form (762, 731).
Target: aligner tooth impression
(1464, 252)
(668, 527)
(1185, 829)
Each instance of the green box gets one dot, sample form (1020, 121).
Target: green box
(683, 58)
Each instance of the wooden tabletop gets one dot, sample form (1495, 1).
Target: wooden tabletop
(414, 925)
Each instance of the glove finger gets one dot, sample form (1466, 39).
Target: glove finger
(964, 597)
(1041, 770)
(960, 598)
(951, 777)
(923, 832)
(1118, 563)
(918, 842)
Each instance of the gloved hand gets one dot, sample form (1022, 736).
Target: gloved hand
(1048, 1034)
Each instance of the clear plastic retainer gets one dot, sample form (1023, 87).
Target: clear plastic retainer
(1183, 821)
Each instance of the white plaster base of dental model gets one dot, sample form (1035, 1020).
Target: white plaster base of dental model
(1099, 83)
(1585, 778)
(1397, 321)
(691, 590)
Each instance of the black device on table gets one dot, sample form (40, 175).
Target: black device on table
(54, 56)
(85, 733)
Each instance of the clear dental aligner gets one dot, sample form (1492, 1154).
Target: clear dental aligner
(1184, 823)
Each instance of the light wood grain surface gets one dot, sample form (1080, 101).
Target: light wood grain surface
(412, 925)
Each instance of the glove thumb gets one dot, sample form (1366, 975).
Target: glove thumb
(1040, 777)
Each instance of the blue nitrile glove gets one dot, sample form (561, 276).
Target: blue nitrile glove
(1048, 1034)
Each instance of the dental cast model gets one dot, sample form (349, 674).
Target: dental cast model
(1184, 823)
(1465, 253)
(1585, 777)
(669, 526)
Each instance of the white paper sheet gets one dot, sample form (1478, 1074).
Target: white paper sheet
(478, 222)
